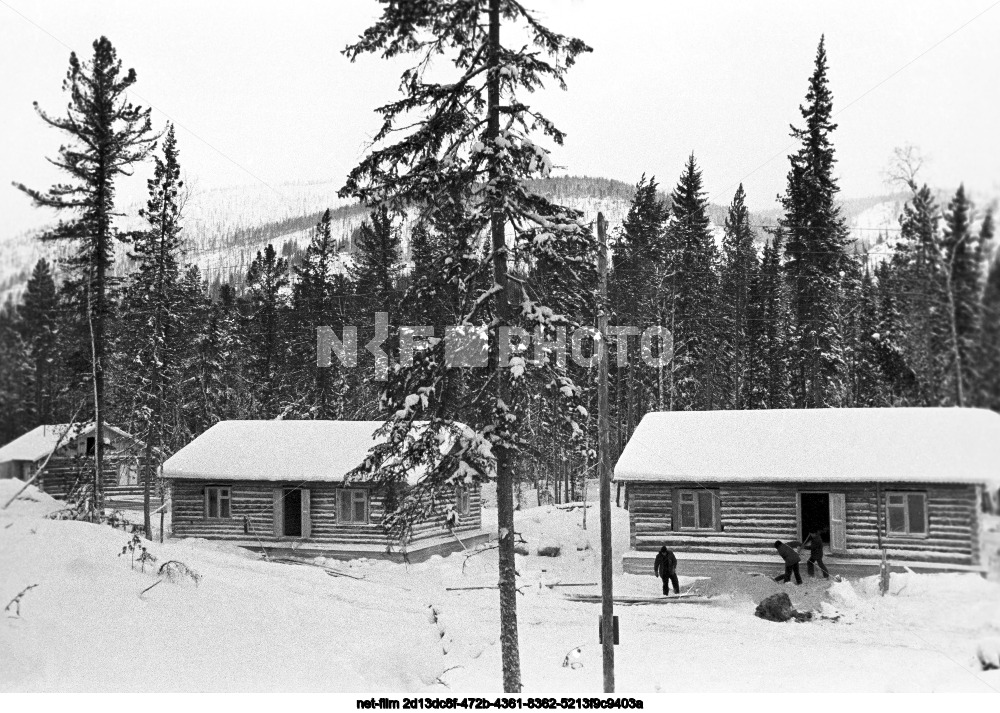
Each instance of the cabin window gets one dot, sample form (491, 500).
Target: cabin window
(352, 506)
(697, 509)
(91, 443)
(218, 502)
(128, 473)
(906, 513)
(462, 500)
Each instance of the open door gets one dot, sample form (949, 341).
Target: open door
(838, 523)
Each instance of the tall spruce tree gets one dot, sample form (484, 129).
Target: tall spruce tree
(740, 268)
(963, 274)
(635, 287)
(692, 286)
(107, 136)
(815, 251)
(470, 139)
(153, 304)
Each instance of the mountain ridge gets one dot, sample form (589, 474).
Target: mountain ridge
(227, 226)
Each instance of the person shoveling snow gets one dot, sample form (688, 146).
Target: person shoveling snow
(792, 559)
(665, 567)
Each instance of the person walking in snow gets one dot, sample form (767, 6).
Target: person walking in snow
(792, 559)
(815, 543)
(665, 567)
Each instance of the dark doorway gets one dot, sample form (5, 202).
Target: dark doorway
(815, 514)
(293, 513)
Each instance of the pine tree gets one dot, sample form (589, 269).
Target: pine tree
(267, 311)
(868, 383)
(16, 413)
(108, 135)
(317, 301)
(39, 315)
(963, 274)
(635, 286)
(768, 322)
(212, 368)
(456, 148)
(693, 289)
(894, 360)
(815, 251)
(989, 343)
(378, 261)
(919, 277)
(740, 268)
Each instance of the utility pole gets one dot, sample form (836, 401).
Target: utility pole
(604, 468)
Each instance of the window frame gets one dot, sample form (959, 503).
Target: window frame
(463, 504)
(351, 494)
(220, 490)
(905, 506)
(696, 504)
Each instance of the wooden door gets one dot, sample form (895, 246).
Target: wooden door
(838, 523)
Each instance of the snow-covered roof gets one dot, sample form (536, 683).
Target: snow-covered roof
(39, 442)
(887, 445)
(302, 451)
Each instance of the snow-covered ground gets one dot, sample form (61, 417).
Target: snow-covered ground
(254, 625)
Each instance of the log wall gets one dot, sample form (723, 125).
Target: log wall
(70, 469)
(753, 516)
(254, 500)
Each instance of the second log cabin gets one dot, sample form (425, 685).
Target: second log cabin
(279, 486)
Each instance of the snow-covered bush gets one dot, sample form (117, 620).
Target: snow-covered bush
(178, 573)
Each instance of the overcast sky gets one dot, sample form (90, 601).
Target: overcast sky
(261, 93)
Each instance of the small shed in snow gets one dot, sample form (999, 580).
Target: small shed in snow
(278, 486)
(720, 487)
(71, 467)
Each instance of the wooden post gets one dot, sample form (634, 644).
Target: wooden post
(878, 512)
(604, 467)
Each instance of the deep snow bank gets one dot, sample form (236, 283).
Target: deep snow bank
(248, 625)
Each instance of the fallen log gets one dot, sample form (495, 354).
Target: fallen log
(632, 601)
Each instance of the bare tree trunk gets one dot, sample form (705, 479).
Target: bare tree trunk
(509, 650)
(98, 383)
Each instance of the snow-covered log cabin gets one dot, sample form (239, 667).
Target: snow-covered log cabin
(70, 470)
(278, 486)
(720, 487)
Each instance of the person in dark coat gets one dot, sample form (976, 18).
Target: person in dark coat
(665, 567)
(815, 543)
(792, 560)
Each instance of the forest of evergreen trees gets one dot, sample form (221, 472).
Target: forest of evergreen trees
(805, 323)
